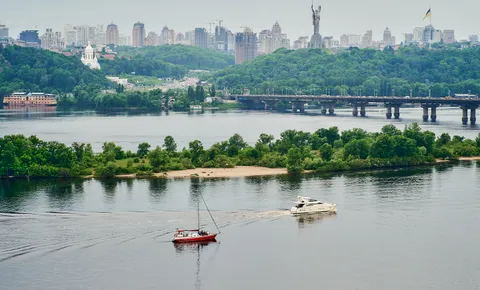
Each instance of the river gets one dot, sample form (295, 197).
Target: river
(397, 229)
(128, 130)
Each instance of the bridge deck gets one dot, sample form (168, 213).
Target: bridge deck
(360, 99)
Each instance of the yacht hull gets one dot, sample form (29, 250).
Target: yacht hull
(196, 239)
(301, 211)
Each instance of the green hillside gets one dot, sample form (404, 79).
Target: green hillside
(359, 71)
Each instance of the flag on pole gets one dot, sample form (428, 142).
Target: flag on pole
(428, 13)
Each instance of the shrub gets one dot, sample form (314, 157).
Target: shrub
(107, 171)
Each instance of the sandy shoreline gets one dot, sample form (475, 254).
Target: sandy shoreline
(239, 171)
(242, 171)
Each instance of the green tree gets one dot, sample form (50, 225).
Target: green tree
(196, 149)
(331, 134)
(294, 160)
(158, 158)
(391, 130)
(326, 152)
(383, 147)
(357, 149)
(235, 144)
(212, 91)
(170, 145)
(143, 149)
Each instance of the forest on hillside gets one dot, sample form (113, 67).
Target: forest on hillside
(359, 72)
(30, 69)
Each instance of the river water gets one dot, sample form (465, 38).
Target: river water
(128, 130)
(398, 229)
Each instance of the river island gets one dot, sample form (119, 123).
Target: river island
(325, 150)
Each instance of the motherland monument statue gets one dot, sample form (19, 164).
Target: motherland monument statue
(316, 40)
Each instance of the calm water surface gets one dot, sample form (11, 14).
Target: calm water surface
(404, 229)
(130, 130)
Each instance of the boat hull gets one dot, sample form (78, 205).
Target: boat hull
(195, 239)
(330, 209)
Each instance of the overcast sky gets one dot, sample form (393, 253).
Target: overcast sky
(337, 17)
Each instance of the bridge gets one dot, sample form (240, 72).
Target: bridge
(327, 102)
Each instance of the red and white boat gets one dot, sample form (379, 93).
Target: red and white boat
(193, 236)
(198, 235)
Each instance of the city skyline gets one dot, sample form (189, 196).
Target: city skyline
(295, 19)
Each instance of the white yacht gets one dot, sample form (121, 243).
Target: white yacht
(306, 205)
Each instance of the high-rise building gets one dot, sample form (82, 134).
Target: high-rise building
(201, 37)
(328, 42)
(30, 38)
(437, 35)
(271, 40)
(138, 34)
(301, 42)
(409, 38)
(152, 39)
(171, 36)
(3, 31)
(124, 40)
(112, 34)
(221, 39)
(448, 36)
(164, 35)
(367, 39)
(428, 35)
(231, 41)
(52, 40)
(245, 46)
(473, 38)
(387, 37)
(344, 40)
(84, 34)
(418, 34)
(354, 40)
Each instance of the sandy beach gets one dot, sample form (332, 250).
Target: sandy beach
(239, 171)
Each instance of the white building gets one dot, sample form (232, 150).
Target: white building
(89, 57)
(271, 40)
(124, 40)
(448, 36)
(52, 40)
(418, 34)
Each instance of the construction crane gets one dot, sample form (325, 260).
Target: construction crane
(211, 26)
(246, 28)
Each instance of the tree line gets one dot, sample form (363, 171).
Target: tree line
(324, 150)
(408, 70)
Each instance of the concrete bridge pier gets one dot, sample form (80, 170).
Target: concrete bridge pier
(355, 110)
(301, 107)
(298, 107)
(433, 113)
(425, 113)
(473, 115)
(389, 112)
(363, 112)
(465, 115)
(294, 107)
(331, 109)
(396, 113)
(270, 105)
(324, 108)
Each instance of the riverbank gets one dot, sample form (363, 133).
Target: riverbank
(252, 171)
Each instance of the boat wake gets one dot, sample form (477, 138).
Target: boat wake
(29, 235)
